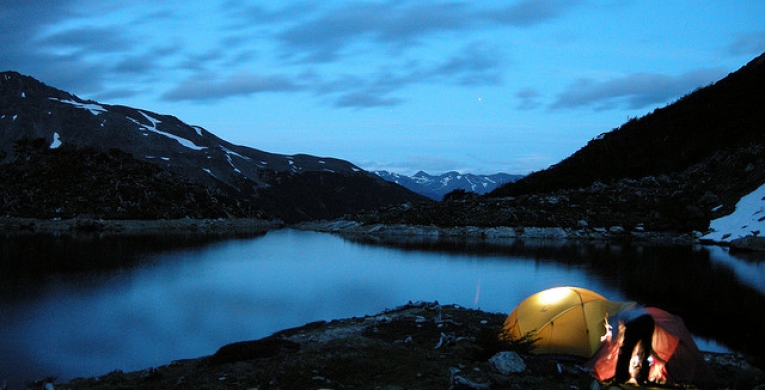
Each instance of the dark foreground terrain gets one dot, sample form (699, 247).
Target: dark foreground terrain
(417, 346)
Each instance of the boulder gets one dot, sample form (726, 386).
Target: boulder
(506, 363)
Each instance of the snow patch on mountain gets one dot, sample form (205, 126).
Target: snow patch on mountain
(94, 109)
(231, 162)
(231, 152)
(56, 141)
(153, 128)
(747, 220)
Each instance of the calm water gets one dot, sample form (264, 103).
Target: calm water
(73, 308)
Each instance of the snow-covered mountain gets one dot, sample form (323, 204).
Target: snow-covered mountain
(435, 187)
(293, 187)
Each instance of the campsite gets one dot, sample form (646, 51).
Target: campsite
(420, 345)
(624, 343)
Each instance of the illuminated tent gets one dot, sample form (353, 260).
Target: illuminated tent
(563, 320)
(674, 357)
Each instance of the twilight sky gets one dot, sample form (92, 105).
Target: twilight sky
(475, 86)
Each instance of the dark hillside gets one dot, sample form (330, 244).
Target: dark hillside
(331, 195)
(73, 182)
(710, 122)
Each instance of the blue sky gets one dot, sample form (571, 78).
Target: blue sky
(474, 86)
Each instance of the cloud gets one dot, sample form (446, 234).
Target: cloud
(323, 37)
(21, 20)
(90, 39)
(364, 99)
(529, 98)
(20, 24)
(244, 15)
(748, 44)
(209, 87)
(474, 64)
(62, 44)
(399, 25)
(53, 41)
(531, 12)
(634, 91)
(144, 63)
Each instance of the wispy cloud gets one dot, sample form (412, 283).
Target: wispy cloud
(209, 86)
(529, 99)
(531, 12)
(90, 39)
(475, 64)
(748, 44)
(257, 48)
(324, 36)
(633, 91)
(298, 37)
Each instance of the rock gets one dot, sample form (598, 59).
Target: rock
(248, 350)
(507, 363)
(748, 243)
(545, 232)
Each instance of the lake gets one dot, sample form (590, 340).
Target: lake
(87, 306)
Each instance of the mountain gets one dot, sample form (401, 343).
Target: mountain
(674, 169)
(288, 187)
(435, 187)
(725, 118)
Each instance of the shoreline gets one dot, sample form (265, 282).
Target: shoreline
(401, 231)
(106, 227)
(378, 232)
(381, 232)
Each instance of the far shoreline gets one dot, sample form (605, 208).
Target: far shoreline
(253, 226)
(127, 227)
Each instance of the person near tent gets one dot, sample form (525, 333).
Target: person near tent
(635, 355)
(649, 345)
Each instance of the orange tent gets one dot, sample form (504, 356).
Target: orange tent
(674, 357)
(563, 320)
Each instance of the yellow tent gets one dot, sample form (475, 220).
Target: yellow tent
(564, 320)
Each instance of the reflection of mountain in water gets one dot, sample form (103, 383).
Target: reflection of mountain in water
(30, 257)
(683, 280)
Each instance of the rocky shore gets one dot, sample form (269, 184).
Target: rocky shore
(415, 346)
(374, 231)
(231, 226)
(611, 233)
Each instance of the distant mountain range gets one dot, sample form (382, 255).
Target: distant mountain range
(288, 187)
(435, 187)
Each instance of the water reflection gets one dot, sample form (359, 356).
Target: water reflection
(153, 303)
(721, 297)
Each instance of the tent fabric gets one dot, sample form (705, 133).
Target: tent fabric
(676, 358)
(564, 320)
